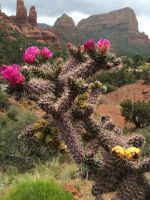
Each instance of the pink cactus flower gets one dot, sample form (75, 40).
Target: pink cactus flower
(12, 75)
(103, 45)
(89, 45)
(46, 53)
(33, 50)
(29, 58)
(2, 68)
(30, 54)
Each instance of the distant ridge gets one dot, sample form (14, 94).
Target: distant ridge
(119, 26)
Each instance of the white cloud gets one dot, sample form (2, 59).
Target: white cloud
(144, 24)
(48, 10)
(77, 16)
(47, 20)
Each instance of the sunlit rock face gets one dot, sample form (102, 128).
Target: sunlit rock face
(27, 25)
(21, 13)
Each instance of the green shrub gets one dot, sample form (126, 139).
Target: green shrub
(111, 88)
(146, 133)
(13, 112)
(145, 67)
(4, 102)
(116, 78)
(20, 153)
(141, 114)
(126, 109)
(137, 60)
(38, 190)
(137, 112)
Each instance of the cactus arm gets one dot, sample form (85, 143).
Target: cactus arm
(136, 141)
(144, 167)
(106, 138)
(70, 138)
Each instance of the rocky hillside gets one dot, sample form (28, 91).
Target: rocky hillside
(67, 30)
(27, 25)
(120, 26)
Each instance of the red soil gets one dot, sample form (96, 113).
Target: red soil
(134, 92)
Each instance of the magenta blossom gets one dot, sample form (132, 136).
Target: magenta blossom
(89, 45)
(12, 75)
(33, 50)
(29, 58)
(46, 53)
(2, 68)
(103, 45)
(30, 54)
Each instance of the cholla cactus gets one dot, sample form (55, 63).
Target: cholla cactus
(63, 91)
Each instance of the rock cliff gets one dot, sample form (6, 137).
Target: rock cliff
(27, 25)
(123, 19)
(21, 13)
(32, 18)
(67, 30)
(120, 27)
(65, 21)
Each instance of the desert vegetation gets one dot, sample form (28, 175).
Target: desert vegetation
(65, 93)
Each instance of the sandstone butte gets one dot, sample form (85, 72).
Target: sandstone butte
(120, 26)
(28, 26)
(123, 20)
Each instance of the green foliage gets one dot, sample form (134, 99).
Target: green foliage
(13, 45)
(89, 166)
(4, 102)
(141, 114)
(146, 133)
(137, 60)
(48, 134)
(137, 112)
(116, 78)
(126, 109)
(127, 61)
(21, 153)
(38, 190)
(110, 88)
(145, 67)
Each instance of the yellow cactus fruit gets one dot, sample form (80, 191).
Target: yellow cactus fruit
(132, 153)
(40, 124)
(62, 146)
(38, 135)
(82, 100)
(98, 84)
(118, 151)
(48, 139)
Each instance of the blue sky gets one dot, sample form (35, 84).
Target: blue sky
(50, 10)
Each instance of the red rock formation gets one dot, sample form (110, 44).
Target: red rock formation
(124, 19)
(21, 13)
(28, 26)
(65, 21)
(32, 18)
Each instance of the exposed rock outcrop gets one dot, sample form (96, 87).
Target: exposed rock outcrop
(21, 13)
(67, 30)
(32, 18)
(27, 25)
(123, 22)
(123, 19)
(120, 27)
(65, 21)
